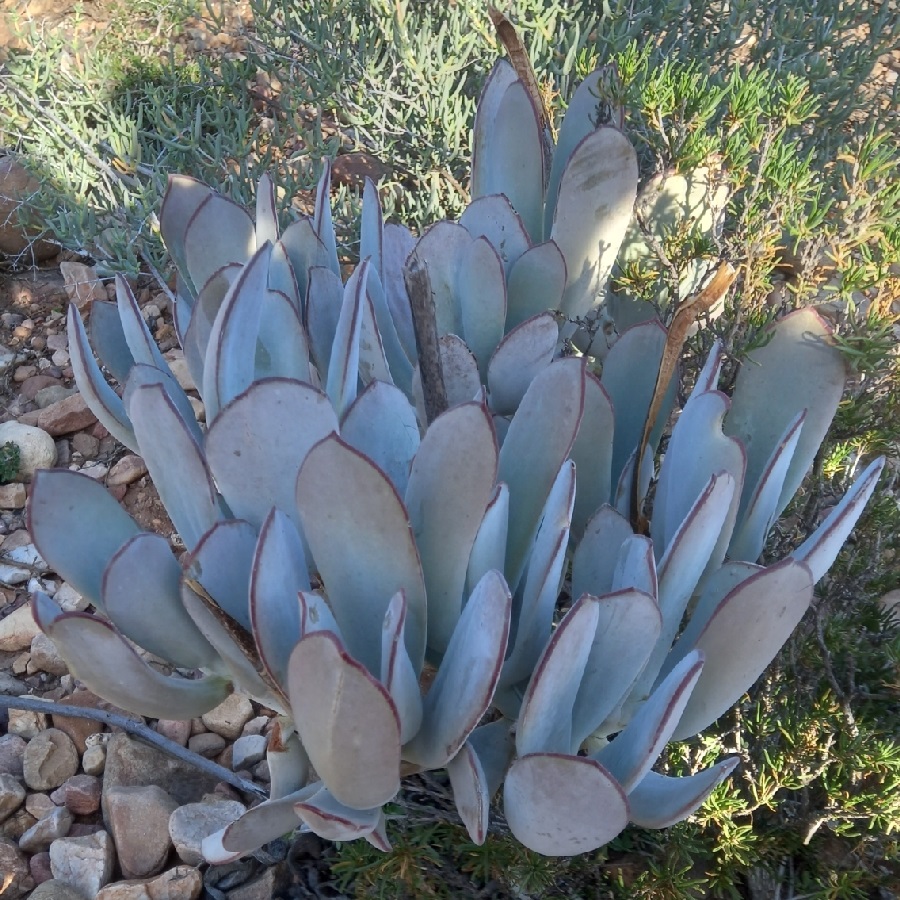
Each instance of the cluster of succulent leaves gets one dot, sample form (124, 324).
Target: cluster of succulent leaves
(340, 536)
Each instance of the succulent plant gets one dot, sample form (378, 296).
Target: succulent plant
(342, 547)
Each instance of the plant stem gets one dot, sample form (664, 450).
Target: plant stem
(140, 730)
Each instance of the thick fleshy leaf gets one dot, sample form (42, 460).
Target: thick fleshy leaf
(636, 566)
(182, 199)
(537, 598)
(581, 118)
(511, 159)
(315, 614)
(596, 554)
(493, 217)
(460, 369)
(373, 363)
(108, 339)
(483, 151)
(495, 747)
(346, 721)
(397, 672)
(545, 722)
(489, 548)
(288, 763)
(343, 365)
(628, 626)
(629, 377)
(382, 424)
(219, 232)
(752, 528)
(822, 547)
(141, 375)
(371, 227)
(681, 568)
(140, 342)
(536, 283)
(697, 450)
(562, 805)
(635, 749)
(231, 353)
(399, 366)
(221, 562)
(59, 504)
(330, 819)
(142, 597)
(257, 443)
(234, 644)
(450, 485)
(323, 312)
(441, 251)
(799, 368)
(282, 278)
(539, 439)
(346, 501)
(266, 214)
(99, 657)
(306, 251)
(481, 288)
(470, 792)
(464, 686)
(594, 204)
(269, 821)
(661, 800)
(518, 358)
(103, 401)
(282, 349)
(397, 244)
(187, 490)
(322, 221)
(742, 637)
(592, 454)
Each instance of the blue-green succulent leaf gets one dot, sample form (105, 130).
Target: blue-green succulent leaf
(99, 657)
(463, 688)
(327, 817)
(344, 362)
(470, 792)
(397, 244)
(140, 342)
(283, 279)
(142, 375)
(266, 213)
(596, 554)
(450, 485)
(184, 196)
(371, 227)
(306, 251)
(493, 217)
(399, 366)
(536, 283)
(373, 362)
(323, 226)
(108, 339)
(397, 672)
(799, 368)
(59, 505)
(635, 749)
(559, 805)
(441, 251)
(141, 594)
(346, 721)
(518, 358)
(345, 500)
(187, 490)
(662, 800)
(539, 439)
(289, 768)
(323, 311)
(742, 637)
(283, 349)
(489, 547)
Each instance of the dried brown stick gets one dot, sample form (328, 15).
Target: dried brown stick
(678, 331)
(418, 286)
(139, 730)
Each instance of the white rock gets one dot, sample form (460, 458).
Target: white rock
(25, 723)
(27, 555)
(84, 863)
(45, 831)
(12, 575)
(18, 629)
(12, 795)
(93, 760)
(178, 365)
(193, 822)
(69, 599)
(37, 450)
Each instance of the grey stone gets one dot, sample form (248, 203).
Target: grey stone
(14, 867)
(207, 744)
(17, 630)
(12, 752)
(45, 831)
(127, 470)
(37, 449)
(45, 657)
(180, 883)
(56, 890)
(39, 805)
(273, 880)
(69, 599)
(94, 759)
(25, 723)
(190, 824)
(138, 818)
(12, 795)
(248, 751)
(51, 394)
(50, 758)
(130, 763)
